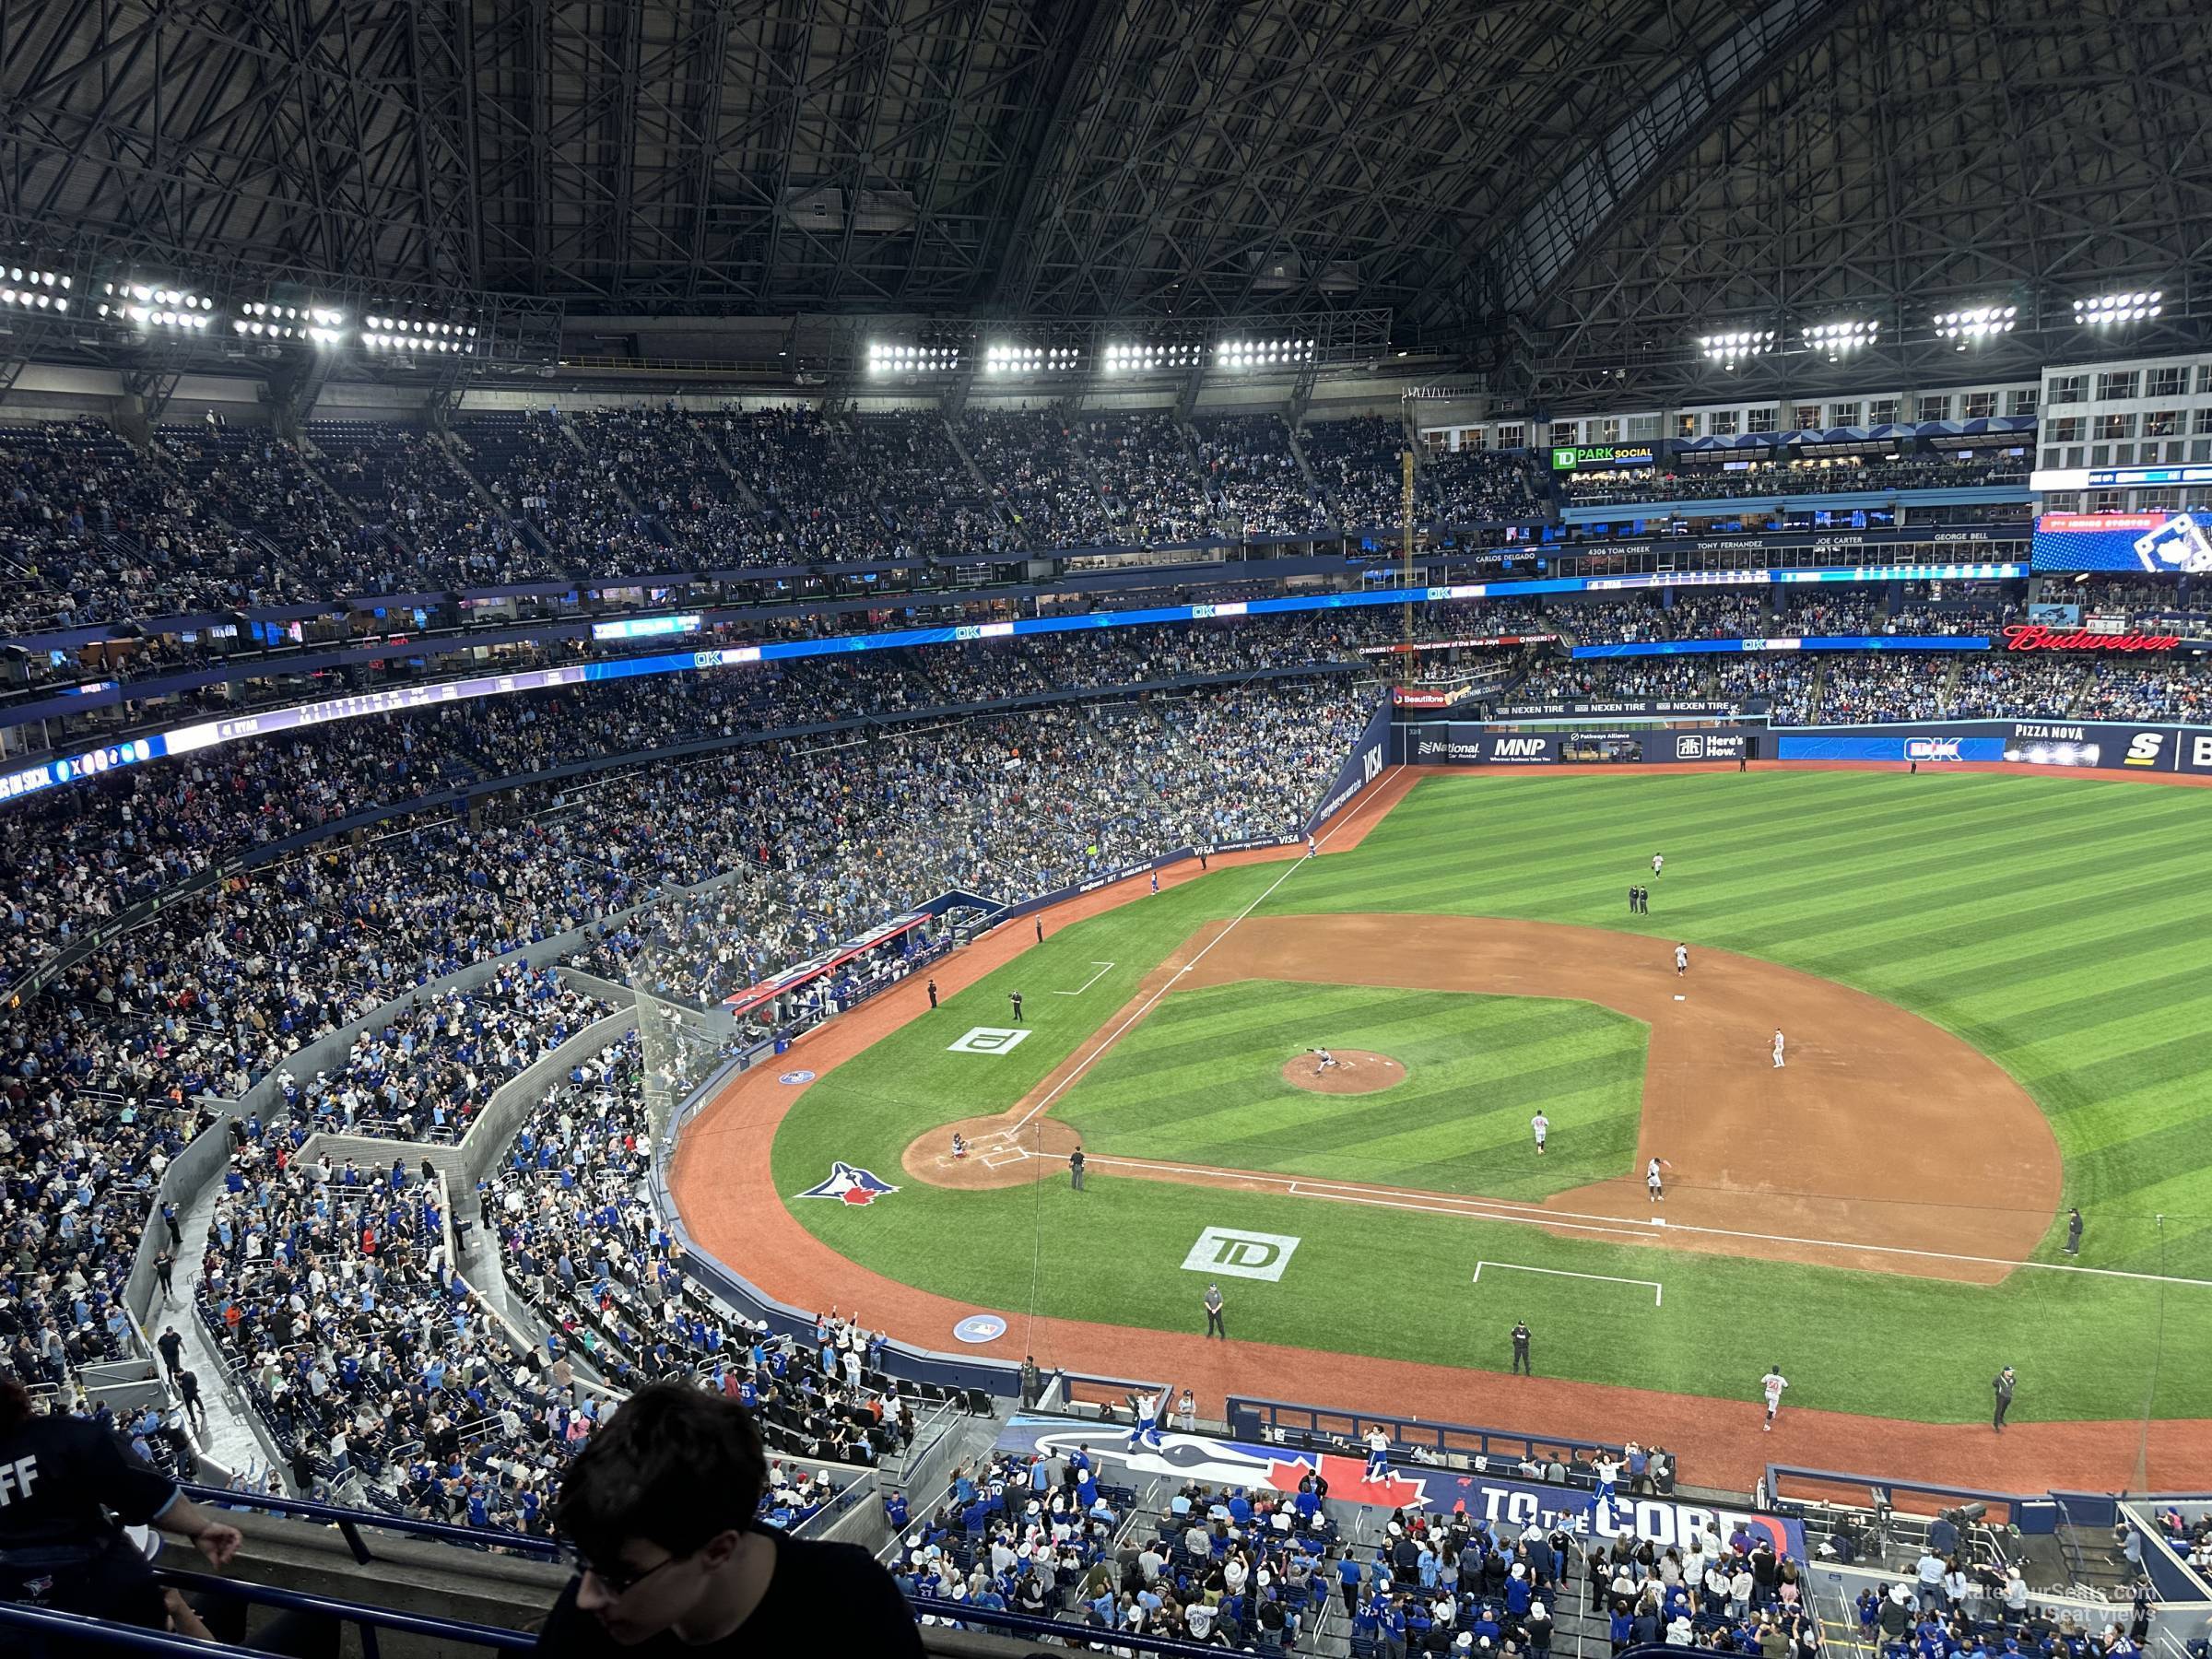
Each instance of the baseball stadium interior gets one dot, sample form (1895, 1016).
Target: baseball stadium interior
(716, 714)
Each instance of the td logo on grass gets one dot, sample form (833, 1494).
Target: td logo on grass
(988, 1039)
(1254, 1255)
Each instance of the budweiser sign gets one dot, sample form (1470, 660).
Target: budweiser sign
(2034, 636)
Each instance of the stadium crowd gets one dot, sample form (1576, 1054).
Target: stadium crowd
(2175, 691)
(666, 463)
(541, 470)
(434, 533)
(1253, 475)
(1050, 1536)
(427, 1070)
(923, 489)
(1145, 470)
(1034, 466)
(1856, 689)
(1610, 680)
(115, 841)
(1357, 463)
(95, 533)
(1002, 807)
(1477, 487)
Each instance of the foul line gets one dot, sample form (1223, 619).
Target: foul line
(1084, 1064)
(1104, 969)
(1584, 1221)
(1658, 1299)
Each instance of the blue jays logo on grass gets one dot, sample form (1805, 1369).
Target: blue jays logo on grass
(849, 1185)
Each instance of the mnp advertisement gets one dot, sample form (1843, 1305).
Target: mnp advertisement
(1460, 743)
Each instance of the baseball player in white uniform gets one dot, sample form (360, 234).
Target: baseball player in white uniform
(1681, 960)
(1652, 1181)
(1777, 1048)
(1658, 864)
(1322, 1060)
(1542, 1127)
(1773, 1382)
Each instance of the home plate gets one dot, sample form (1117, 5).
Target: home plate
(1680, 997)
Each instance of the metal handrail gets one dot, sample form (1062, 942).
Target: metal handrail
(81, 1631)
(349, 1521)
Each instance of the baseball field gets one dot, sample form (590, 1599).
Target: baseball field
(1995, 995)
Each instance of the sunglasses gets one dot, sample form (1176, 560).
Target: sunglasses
(617, 1582)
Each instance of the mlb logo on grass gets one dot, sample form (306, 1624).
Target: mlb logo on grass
(987, 1039)
(1227, 1254)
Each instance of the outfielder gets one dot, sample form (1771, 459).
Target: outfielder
(1652, 1181)
(1542, 1127)
(1658, 864)
(1681, 960)
(1773, 1382)
(1777, 1048)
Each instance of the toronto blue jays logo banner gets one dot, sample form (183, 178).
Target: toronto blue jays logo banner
(1517, 1503)
(850, 1184)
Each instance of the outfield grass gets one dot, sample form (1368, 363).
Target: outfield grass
(2058, 923)
(1476, 1070)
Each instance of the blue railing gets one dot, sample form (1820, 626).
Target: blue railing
(74, 1633)
(350, 1522)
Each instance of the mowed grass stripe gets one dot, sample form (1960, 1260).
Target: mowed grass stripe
(2012, 917)
(1200, 1081)
(2058, 923)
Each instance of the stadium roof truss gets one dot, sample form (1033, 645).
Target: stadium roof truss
(1575, 188)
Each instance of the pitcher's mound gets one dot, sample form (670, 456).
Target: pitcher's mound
(1357, 1071)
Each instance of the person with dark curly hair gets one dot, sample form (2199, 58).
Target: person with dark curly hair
(660, 1511)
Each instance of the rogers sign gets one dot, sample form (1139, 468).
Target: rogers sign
(2034, 636)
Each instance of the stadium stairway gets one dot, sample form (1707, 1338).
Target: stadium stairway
(458, 461)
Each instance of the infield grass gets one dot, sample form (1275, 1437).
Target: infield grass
(2062, 925)
(1198, 1081)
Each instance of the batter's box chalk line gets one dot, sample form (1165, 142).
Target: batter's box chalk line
(1658, 1295)
(1103, 969)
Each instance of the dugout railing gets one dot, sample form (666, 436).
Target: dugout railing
(1500, 1450)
